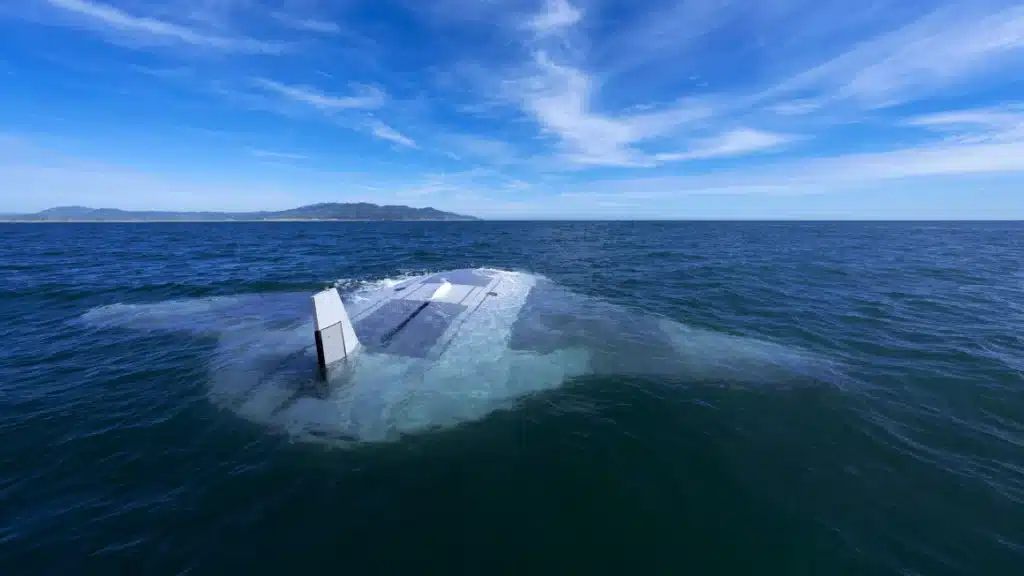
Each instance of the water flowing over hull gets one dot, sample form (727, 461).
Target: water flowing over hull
(402, 357)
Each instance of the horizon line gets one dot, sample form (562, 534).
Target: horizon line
(509, 219)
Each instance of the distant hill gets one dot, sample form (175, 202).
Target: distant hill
(329, 211)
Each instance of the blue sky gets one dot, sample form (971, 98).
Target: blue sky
(517, 108)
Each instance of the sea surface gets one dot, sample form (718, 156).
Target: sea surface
(880, 432)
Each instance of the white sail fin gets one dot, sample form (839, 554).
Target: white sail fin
(335, 337)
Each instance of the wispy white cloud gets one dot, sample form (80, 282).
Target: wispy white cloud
(796, 107)
(308, 24)
(921, 161)
(491, 150)
(564, 101)
(368, 97)
(385, 132)
(557, 89)
(990, 117)
(272, 155)
(879, 71)
(477, 185)
(731, 143)
(556, 15)
(559, 97)
(824, 175)
(978, 125)
(666, 32)
(112, 18)
(955, 43)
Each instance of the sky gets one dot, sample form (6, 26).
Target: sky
(518, 108)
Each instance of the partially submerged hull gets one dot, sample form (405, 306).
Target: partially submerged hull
(390, 365)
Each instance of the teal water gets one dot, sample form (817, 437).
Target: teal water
(904, 455)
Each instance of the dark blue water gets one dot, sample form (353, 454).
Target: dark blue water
(904, 456)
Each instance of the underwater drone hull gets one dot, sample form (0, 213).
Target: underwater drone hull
(438, 350)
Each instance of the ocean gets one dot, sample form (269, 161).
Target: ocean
(879, 428)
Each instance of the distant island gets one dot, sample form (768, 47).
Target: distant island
(314, 212)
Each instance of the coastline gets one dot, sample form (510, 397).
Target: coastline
(225, 220)
(323, 212)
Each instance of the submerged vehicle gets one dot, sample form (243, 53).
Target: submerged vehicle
(395, 357)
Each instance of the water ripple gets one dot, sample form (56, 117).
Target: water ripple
(909, 461)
